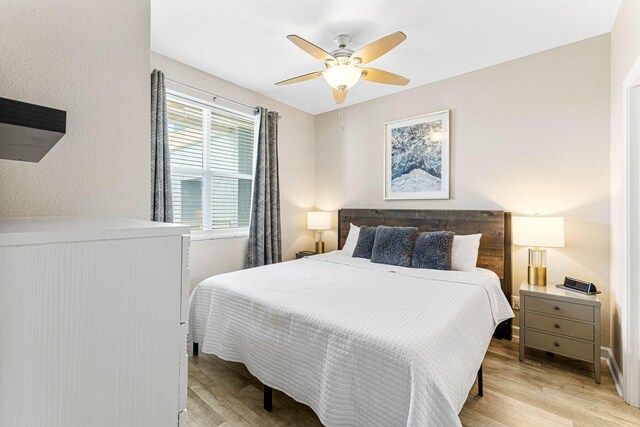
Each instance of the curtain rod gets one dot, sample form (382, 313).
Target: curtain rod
(213, 95)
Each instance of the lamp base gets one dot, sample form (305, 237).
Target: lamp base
(537, 275)
(320, 247)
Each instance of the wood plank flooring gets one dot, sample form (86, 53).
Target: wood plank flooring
(542, 391)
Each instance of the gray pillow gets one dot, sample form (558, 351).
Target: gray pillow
(433, 250)
(365, 242)
(394, 245)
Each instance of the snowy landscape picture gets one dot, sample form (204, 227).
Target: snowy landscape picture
(417, 157)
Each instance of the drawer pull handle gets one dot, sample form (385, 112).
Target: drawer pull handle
(557, 326)
(557, 344)
(556, 308)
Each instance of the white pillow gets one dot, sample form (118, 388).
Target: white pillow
(352, 240)
(464, 253)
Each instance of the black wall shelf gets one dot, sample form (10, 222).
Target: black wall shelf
(28, 131)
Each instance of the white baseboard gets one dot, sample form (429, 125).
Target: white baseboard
(616, 374)
(605, 353)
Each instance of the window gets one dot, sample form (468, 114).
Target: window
(212, 160)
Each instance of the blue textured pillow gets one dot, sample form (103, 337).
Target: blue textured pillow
(364, 247)
(433, 250)
(394, 245)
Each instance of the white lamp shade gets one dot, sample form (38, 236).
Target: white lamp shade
(340, 76)
(319, 220)
(542, 231)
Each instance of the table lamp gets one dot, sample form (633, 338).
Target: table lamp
(538, 231)
(319, 221)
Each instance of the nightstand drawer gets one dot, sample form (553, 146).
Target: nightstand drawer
(559, 308)
(558, 326)
(559, 345)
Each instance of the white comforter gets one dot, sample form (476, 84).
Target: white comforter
(363, 344)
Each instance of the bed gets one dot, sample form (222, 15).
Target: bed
(364, 343)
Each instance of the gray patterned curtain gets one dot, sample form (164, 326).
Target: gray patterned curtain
(265, 237)
(161, 198)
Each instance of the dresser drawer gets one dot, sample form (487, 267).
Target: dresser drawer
(559, 308)
(560, 326)
(559, 345)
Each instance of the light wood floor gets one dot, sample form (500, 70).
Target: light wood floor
(542, 391)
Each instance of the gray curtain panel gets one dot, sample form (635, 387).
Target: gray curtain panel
(161, 198)
(265, 236)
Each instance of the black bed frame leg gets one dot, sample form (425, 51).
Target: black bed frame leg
(195, 349)
(268, 398)
(480, 390)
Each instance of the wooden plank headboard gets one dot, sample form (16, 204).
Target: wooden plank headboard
(495, 245)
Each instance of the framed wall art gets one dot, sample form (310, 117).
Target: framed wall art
(416, 157)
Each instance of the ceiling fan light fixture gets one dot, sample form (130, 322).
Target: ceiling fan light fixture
(342, 66)
(342, 76)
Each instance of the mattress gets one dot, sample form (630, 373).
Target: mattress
(362, 344)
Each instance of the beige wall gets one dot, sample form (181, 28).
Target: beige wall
(296, 161)
(527, 136)
(625, 48)
(92, 60)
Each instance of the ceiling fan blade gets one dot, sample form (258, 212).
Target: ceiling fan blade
(302, 78)
(379, 47)
(313, 50)
(379, 76)
(339, 95)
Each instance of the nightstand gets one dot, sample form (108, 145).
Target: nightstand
(561, 322)
(304, 254)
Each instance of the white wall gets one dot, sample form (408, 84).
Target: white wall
(625, 48)
(92, 60)
(296, 161)
(530, 135)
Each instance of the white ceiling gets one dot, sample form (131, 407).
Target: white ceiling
(244, 41)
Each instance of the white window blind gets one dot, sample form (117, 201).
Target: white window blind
(212, 160)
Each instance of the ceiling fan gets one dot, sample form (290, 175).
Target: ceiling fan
(343, 65)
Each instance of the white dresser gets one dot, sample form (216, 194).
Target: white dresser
(93, 316)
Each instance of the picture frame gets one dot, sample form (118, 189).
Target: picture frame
(416, 157)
